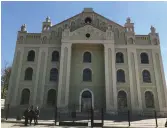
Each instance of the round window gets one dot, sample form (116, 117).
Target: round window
(87, 35)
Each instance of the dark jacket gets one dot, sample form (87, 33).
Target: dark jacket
(37, 112)
(26, 113)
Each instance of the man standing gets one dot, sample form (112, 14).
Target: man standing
(37, 111)
(26, 112)
(31, 114)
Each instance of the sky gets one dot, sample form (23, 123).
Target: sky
(143, 15)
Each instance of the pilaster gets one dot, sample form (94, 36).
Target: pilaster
(157, 80)
(131, 78)
(37, 76)
(44, 77)
(64, 75)
(11, 82)
(163, 78)
(110, 73)
(14, 100)
(138, 80)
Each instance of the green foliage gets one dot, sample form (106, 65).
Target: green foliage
(5, 76)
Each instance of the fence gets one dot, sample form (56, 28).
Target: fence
(92, 117)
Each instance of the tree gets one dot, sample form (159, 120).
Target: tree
(5, 76)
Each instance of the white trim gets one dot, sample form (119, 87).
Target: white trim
(80, 97)
(144, 47)
(124, 91)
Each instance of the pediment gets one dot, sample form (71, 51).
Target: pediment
(88, 32)
(78, 21)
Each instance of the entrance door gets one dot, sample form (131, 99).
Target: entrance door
(86, 101)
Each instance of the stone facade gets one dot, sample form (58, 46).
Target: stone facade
(103, 39)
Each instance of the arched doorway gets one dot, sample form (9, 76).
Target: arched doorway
(122, 101)
(51, 99)
(86, 100)
(149, 99)
(25, 96)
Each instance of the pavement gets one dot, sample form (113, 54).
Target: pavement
(147, 123)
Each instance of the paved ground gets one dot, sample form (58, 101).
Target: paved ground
(18, 125)
(147, 123)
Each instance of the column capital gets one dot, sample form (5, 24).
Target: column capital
(66, 44)
(108, 45)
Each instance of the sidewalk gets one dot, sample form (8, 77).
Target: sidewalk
(150, 123)
(40, 122)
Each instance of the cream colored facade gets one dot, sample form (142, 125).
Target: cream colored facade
(106, 39)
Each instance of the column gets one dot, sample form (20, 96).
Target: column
(14, 100)
(11, 81)
(37, 77)
(131, 79)
(107, 78)
(64, 75)
(157, 79)
(138, 80)
(42, 94)
(110, 78)
(163, 77)
(114, 77)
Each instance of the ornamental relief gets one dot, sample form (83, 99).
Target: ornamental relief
(87, 32)
(83, 20)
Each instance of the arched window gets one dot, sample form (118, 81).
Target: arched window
(146, 76)
(119, 57)
(120, 75)
(31, 56)
(87, 57)
(87, 75)
(28, 74)
(149, 99)
(54, 74)
(130, 41)
(55, 56)
(51, 99)
(45, 39)
(144, 58)
(116, 33)
(25, 96)
(122, 100)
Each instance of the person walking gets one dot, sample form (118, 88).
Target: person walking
(37, 111)
(26, 112)
(31, 114)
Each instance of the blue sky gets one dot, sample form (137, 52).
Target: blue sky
(143, 14)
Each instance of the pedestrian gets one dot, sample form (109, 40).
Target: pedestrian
(31, 114)
(26, 113)
(37, 112)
